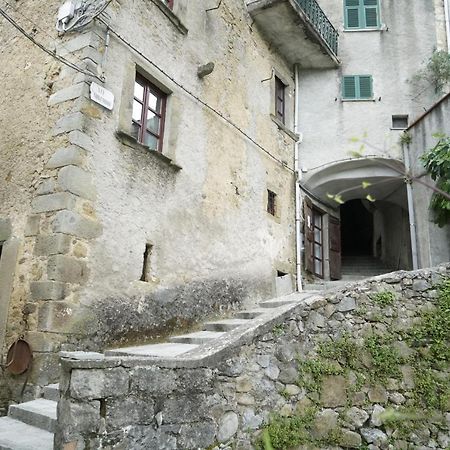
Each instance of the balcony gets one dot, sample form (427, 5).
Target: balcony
(299, 30)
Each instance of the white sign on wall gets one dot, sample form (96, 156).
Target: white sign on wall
(102, 96)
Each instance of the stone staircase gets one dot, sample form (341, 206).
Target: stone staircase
(354, 268)
(31, 425)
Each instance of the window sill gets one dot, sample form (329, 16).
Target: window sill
(130, 141)
(281, 126)
(172, 17)
(399, 129)
(357, 100)
(369, 30)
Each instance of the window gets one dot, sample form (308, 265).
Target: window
(145, 276)
(271, 202)
(361, 14)
(280, 100)
(400, 122)
(357, 87)
(168, 3)
(1, 248)
(149, 109)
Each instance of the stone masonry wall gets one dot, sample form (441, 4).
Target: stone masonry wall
(339, 371)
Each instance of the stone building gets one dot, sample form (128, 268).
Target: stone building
(113, 232)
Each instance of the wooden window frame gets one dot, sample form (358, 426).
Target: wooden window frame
(361, 8)
(357, 79)
(317, 213)
(280, 100)
(149, 87)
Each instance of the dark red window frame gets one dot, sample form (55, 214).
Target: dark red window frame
(271, 202)
(280, 100)
(169, 3)
(150, 89)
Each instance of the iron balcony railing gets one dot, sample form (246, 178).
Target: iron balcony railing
(321, 23)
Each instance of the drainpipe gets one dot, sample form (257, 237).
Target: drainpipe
(412, 220)
(447, 23)
(298, 199)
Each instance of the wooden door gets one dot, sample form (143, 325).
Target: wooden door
(335, 248)
(309, 236)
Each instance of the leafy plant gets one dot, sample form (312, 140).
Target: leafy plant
(385, 298)
(385, 358)
(436, 72)
(437, 163)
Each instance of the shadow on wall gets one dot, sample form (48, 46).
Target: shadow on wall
(120, 320)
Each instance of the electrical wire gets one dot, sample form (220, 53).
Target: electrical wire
(194, 96)
(41, 30)
(49, 52)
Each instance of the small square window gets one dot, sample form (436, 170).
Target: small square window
(149, 113)
(357, 87)
(361, 14)
(400, 122)
(271, 202)
(280, 100)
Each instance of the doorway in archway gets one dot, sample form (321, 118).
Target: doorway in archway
(356, 229)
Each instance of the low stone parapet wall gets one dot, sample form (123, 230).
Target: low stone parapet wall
(364, 367)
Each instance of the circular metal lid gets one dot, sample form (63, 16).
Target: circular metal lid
(19, 357)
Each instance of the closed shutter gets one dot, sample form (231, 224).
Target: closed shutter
(365, 87)
(352, 14)
(349, 87)
(357, 87)
(361, 14)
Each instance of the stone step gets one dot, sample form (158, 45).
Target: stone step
(250, 314)
(51, 392)
(277, 303)
(200, 337)
(166, 350)
(40, 413)
(16, 435)
(224, 325)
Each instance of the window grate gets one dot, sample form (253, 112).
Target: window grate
(271, 202)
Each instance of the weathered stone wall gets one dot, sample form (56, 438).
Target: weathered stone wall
(337, 372)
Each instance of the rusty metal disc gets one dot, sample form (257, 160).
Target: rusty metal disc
(19, 357)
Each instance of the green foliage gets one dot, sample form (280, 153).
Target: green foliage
(385, 359)
(430, 391)
(437, 163)
(384, 298)
(436, 71)
(278, 330)
(405, 138)
(283, 433)
(344, 350)
(312, 372)
(434, 328)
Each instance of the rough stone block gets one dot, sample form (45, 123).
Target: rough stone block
(47, 290)
(349, 439)
(228, 426)
(346, 304)
(186, 409)
(334, 391)
(44, 342)
(32, 226)
(81, 139)
(67, 269)
(154, 380)
(324, 422)
(66, 156)
(77, 181)
(198, 435)
(52, 244)
(99, 383)
(55, 317)
(80, 416)
(70, 122)
(123, 412)
(69, 93)
(73, 223)
(53, 202)
(46, 187)
(77, 43)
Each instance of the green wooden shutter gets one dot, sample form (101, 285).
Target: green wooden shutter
(361, 14)
(352, 14)
(349, 87)
(357, 87)
(365, 87)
